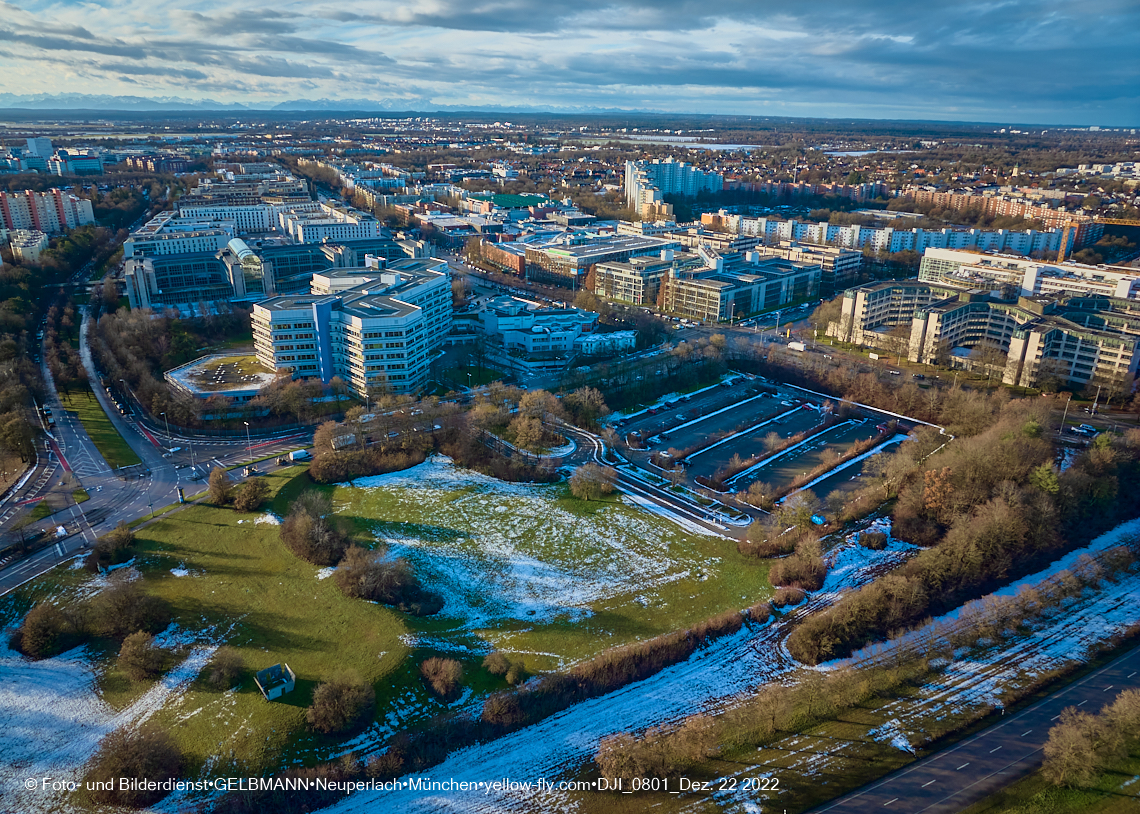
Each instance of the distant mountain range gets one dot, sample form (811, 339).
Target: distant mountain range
(143, 104)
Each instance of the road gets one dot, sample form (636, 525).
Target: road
(970, 771)
(589, 450)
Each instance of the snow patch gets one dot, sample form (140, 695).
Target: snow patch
(269, 519)
(325, 573)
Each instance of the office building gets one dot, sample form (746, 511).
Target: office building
(167, 234)
(567, 259)
(534, 330)
(51, 212)
(74, 162)
(40, 146)
(378, 336)
(638, 280)
(1031, 278)
(729, 287)
(1022, 340)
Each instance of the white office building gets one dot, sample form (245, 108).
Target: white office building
(375, 328)
(166, 234)
(1032, 278)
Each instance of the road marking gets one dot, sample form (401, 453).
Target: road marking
(1132, 674)
(1026, 732)
(1055, 717)
(963, 766)
(927, 783)
(994, 749)
(1109, 687)
(1083, 703)
(891, 801)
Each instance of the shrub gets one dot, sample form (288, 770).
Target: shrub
(341, 704)
(503, 709)
(221, 487)
(516, 674)
(805, 569)
(591, 481)
(496, 664)
(767, 548)
(46, 631)
(124, 609)
(874, 540)
(251, 495)
(311, 531)
(112, 548)
(788, 596)
(148, 753)
(224, 669)
(442, 675)
(139, 658)
(364, 575)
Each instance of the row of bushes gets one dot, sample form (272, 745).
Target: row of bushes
(502, 713)
(115, 613)
(992, 508)
(778, 709)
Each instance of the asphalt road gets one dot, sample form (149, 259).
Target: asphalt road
(967, 772)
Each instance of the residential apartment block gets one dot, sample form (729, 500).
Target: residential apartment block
(50, 212)
(376, 328)
(648, 182)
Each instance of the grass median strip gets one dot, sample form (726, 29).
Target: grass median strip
(111, 445)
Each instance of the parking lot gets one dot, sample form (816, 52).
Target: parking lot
(830, 446)
(783, 417)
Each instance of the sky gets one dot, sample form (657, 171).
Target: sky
(1021, 61)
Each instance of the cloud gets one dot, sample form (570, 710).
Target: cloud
(1052, 61)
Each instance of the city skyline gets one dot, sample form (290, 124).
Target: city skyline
(1030, 62)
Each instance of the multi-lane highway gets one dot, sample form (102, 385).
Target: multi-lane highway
(969, 771)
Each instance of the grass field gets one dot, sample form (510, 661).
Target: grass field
(479, 376)
(102, 432)
(523, 568)
(534, 571)
(80, 495)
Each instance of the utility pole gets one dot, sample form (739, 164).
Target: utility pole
(248, 442)
(1065, 415)
(1096, 401)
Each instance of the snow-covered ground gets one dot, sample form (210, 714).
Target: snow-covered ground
(713, 678)
(52, 719)
(497, 551)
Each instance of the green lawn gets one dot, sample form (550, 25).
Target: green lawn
(80, 495)
(527, 569)
(537, 572)
(102, 432)
(40, 511)
(479, 376)
(254, 595)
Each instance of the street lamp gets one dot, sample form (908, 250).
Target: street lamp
(1065, 415)
(168, 438)
(248, 442)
